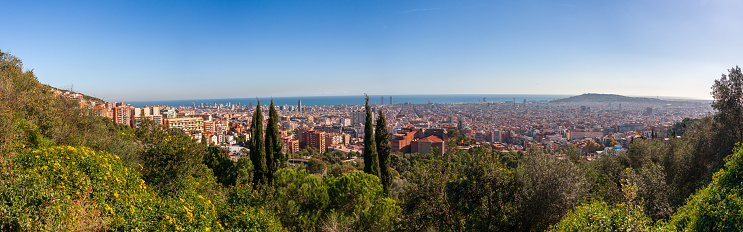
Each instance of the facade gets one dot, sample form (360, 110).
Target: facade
(573, 135)
(496, 136)
(358, 117)
(316, 139)
(426, 145)
(122, 114)
(186, 124)
(151, 113)
(290, 145)
(401, 142)
(345, 122)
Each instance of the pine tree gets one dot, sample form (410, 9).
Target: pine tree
(382, 137)
(371, 159)
(274, 156)
(257, 147)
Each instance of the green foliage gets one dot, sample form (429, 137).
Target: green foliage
(728, 95)
(341, 169)
(258, 149)
(484, 197)
(598, 216)
(371, 158)
(271, 141)
(275, 159)
(228, 172)
(680, 127)
(382, 138)
(353, 192)
(55, 118)
(298, 198)
(423, 203)
(75, 188)
(171, 159)
(315, 166)
(359, 196)
(240, 213)
(353, 201)
(548, 188)
(719, 206)
(653, 190)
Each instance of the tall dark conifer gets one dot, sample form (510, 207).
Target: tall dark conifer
(382, 137)
(257, 147)
(274, 156)
(371, 159)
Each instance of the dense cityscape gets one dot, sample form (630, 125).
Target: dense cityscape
(417, 128)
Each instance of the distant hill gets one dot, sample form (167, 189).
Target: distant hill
(597, 97)
(86, 97)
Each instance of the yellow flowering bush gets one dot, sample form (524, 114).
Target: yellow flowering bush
(68, 188)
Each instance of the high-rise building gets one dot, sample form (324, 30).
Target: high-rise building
(358, 117)
(316, 139)
(382, 100)
(152, 113)
(123, 114)
(391, 101)
(299, 105)
(345, 122)
(290, 145)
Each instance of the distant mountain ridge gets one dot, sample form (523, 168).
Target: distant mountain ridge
(597, 97)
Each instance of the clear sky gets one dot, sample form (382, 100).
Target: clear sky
(164, 50)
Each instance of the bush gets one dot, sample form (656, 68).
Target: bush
(598, 216)
(61, 188)
(719, 206)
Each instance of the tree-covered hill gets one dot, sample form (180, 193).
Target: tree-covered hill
(601, 98)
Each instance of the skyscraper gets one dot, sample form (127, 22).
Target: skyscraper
(299, 105)
(391, 101)
(382, 100)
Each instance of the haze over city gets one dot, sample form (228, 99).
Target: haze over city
(142, 50)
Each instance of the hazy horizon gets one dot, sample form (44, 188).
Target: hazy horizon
(144, 51)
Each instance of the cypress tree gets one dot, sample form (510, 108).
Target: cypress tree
(279, 156)
(371, 159)
(257, 147)
(274, 156)
(382, 137)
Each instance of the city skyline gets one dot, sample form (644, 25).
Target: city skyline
(144, 51)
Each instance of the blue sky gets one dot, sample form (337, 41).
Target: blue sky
(163, 50)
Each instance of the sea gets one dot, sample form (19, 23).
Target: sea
(358, 99)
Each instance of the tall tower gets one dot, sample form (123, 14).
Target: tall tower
(299, 105)
(382, 100)
(391, 101)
